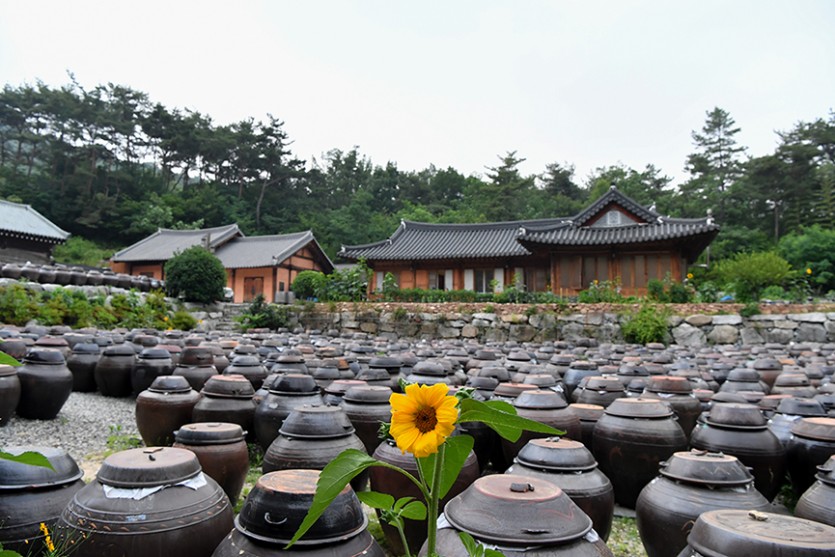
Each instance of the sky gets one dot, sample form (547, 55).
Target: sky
(452, 83)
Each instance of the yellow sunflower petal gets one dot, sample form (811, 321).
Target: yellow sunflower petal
(407, 440)
(434, 395)
(402, 403)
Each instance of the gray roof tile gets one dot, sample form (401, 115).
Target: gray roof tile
(23, 220)
(265, 251)
(164, 243)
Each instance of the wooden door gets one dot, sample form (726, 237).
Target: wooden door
(253, 286)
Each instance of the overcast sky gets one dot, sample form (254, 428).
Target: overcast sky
(452, 83)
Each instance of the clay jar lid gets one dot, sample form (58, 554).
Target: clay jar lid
(386, 362)
(724, 397)
(86, 348)
(792, 380)
(744, 375)
(668, 384)
(341, 386)
(512, 390)
(541, 380)
(119, 350)
(484, 383)
(806, 407)
(584, 365)
(587, 412)
(740, 532)
(170, 384)
(826, 471)
(317, 422)
(278, 503)
(519, 510)
(14, 475)
(44, 357)
(246, 361)
(368, 394)
(702, 467)
(209, 433)
(736, 416)
(638, 408)
(7, 371)
(820, 429)
(605, 384)
(295, 383)
(496, 372)
(148, 467)
(155, 353)
(556, 454)
(540, 400)
(767, 364)
(433, 369)
(199, 356)
(228, 386)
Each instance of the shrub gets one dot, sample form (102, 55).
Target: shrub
(749, 309)
(195, 275)
(183, 321)
(812, 249)
(649, 324)
(774, 292)
(79, 251)
(655, 290)
(747, 274)
(707, 292)
(308, 284)
(607, 291)
(260, 315)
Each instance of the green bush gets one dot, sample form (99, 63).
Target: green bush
(812, 249)
(260, 315)
(602, 292)
(183, 320)
(195, 275)
(649, 324)
(774, 292)
(78, 251)
(748, 274)
(308, 284)
(707, 292)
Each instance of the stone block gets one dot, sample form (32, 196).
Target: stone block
(699, 320)
(810, 332)
(780, 336)
(688, 335)
(750, 335)
(723, 334)
(514, 318)
(368, 327)
(727, 320)
(490, 317)
(785, 324)
(449, 332)
(469, 331)
(521, 333)
(815, 317)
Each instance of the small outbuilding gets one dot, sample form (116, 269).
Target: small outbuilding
(27, 235)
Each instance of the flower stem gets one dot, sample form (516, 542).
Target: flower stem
(434, 502)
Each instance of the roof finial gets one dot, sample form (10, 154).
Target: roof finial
(710, 216)
(613, 187)
(652, 207)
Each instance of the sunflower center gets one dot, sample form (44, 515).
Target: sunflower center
(425, 419)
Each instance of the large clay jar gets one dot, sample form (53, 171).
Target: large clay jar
(250, 367)
(600, 390)
(571, 466)
(630, 440)
(163, 408)
(386, 480)
(274, 510)
(310, 438)
(45, 384)
(150, 364)
(818, 502)
(332, 395)
(149, 502)
(221, 450)
(196, 365)
(789, 411)
(113, 370)
(678, 393)
(588, 414)
(30, 495)
(546, 407)
(741, 430)
(524, 516)
(289, 392)
(82, 363)
(367, 407)
(691, 483)
(227, 398)
(574, 374)
(743, 533)
(9, 393)
(811, 445)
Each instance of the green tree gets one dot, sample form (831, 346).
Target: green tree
(812, 248)
(506, 195)
(195, 275)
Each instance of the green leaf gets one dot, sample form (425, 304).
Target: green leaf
(9, 553)
(505, 423)
(457, 450)
(376, 500)
(7, 360)
(415, 510)
(332, 480)
(31, 458)
(473, 548)
(492, 553)
(402, 502)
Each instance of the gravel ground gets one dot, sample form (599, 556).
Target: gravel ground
(81, 428)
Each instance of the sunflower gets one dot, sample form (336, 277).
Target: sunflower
(423, 418)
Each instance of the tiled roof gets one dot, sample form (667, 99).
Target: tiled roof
(616, 197)
(164, 243)
(23, 220)
(421, 241)
(265, 251)
(573, 235)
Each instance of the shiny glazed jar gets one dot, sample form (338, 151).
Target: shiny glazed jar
(196, 365)
(689, 484)
(818, 502)
(113, 370)
(150, 364)
(82, 363)
(811, 445)
(9, 393)
(164, 408)
(678, 393)
(227, 398)
(222, 452)
(287, 393)
(250, 367)
(149, 502)
(546, 407)
(45, 384)
(367, 407)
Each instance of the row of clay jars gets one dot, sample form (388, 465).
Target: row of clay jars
(9, 393)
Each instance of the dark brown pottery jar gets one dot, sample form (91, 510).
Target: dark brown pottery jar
(546, 407)
(164, 408)
(743, 533)
(9, 393)
(600, 390)
(522, 516)
(811, 445)
(332, 396)
(150, 364)
(818, 502)
(367, 407)
(250, 367)
(30, 495)
(113, 370)
(588, 414)
(15, 347)
(274, 510)
(227, 398)
(45, 384)
(630, 440)
(571, 466)
(289, 392)
(149, 502)
(395, 484)
(196, 365)
(678, 393)
(82, 363)
(789, 411)
(310, 438)
(691, 483)
(222, 452)
(575, 373)
(741, 430)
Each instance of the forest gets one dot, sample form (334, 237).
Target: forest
(110, 165)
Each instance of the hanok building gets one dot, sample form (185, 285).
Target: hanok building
(27, 235)
(614, 239)
(254, 265)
